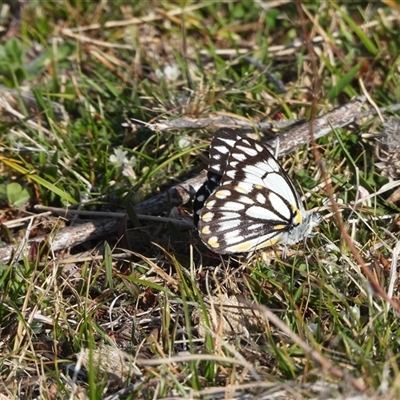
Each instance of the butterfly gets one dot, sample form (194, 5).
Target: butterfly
(248, 202)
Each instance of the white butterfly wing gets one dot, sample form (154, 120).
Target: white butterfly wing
(255, 206)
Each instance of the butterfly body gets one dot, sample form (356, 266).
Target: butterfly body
(248, 202)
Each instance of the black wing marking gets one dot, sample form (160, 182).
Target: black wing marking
(253, 163)
(221, 144)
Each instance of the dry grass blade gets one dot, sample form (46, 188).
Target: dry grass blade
(326, 366)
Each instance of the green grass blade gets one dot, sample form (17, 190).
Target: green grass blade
(15, 165)
(343, 83)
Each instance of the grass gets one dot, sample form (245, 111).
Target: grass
(148, 312)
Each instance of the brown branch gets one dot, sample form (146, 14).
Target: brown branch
(64, 238)
(213, 121)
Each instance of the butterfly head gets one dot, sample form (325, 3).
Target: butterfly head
(309, 220)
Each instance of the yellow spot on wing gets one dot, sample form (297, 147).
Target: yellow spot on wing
(279, 227)
(205, 230)
(268, 243)
(246, 246)
(210, 203)
(222, 194)
(213, 242)
(298, 218)
(241, 189)
(207, 217)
